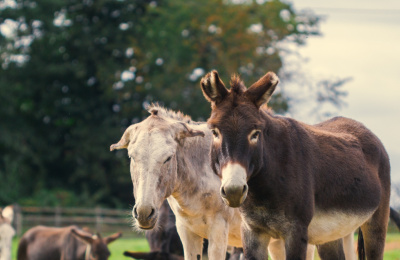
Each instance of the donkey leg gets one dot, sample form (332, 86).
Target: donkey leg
(310, 252)
(218, 239)
(332, 250)
(276, 249)
(374, 232)
(348, 247)
(296, 243)
(192, 243)
(254, 244)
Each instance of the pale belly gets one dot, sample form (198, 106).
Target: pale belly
(329, 226)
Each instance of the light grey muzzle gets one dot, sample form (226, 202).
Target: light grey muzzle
(146, 216)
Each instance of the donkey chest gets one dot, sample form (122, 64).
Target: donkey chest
(209, 217)
(195, 214)
(273, 223)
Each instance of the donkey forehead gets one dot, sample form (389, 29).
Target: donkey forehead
(154, 141)
(235, 118)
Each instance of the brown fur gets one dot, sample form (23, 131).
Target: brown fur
(295, 170)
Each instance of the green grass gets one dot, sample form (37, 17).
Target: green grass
(390, 237)
(140, 244)
(117, 247)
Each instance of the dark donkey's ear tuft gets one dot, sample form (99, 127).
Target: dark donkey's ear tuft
(261, 91)
(213, 88)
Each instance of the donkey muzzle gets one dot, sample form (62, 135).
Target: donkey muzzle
(146, 216)
(234, 196)
(234, 184)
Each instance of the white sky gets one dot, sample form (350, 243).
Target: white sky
(361, 39)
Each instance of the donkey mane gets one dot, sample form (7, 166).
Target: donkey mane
(238, 88)
(156, 109)
(237, 85)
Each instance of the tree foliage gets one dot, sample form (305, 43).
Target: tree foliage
(76, 73)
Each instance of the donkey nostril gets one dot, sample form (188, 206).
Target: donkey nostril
(223, 192)
(245, 187)
(151, 213)
(135, 213)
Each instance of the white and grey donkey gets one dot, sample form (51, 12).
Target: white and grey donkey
(170, 160)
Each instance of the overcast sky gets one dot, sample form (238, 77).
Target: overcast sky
(361, 39)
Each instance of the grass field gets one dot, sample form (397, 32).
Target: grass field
(392, 250)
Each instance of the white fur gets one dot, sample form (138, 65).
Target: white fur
(274, 78)
(6, 234)
(348, 246)
(233, 175)
(325, 227)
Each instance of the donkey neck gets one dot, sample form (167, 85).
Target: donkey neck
(284, 148)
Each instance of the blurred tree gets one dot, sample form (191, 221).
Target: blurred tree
(57, 104)
(76, 73)
(183, 40)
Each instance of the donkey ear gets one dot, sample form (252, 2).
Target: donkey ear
(82, 235)
(125, 139)
(186, 131)
(112, 238)
(137, 255)
(261, 91)
(213, 88)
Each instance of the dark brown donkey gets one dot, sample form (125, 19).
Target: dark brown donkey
(303, 183)
(68, 243)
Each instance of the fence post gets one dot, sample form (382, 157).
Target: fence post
(99, 219)
(57, 217)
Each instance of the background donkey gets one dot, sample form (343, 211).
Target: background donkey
(295, 181)
(170, 160)
(67, 243)
(6, 232)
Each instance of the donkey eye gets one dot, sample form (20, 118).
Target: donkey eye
(255, 136)
(215, 133)
(168, 159)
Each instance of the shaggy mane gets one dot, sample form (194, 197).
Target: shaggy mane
(156, 109)
(237, 85)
